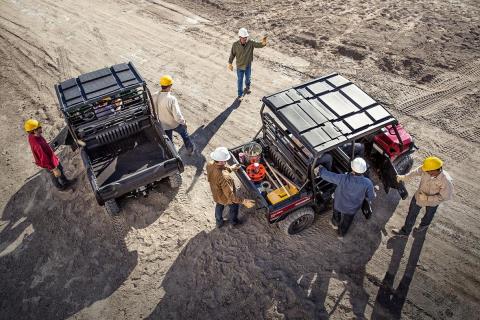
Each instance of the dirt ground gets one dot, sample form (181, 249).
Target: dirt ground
(60, 255)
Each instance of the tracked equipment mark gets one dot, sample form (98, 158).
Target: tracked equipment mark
(63, 62)
(441, 103)
(418, 104)
(466, 80)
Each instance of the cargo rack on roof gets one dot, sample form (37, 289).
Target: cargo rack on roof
(326, 112)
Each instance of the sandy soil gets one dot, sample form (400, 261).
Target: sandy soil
(61, 256)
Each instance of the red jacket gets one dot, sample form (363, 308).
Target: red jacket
(42, 152)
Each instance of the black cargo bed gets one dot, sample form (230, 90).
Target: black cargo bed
(126, 157)
(141, 157)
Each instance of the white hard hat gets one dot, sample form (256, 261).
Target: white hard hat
(359, 165)
(243, 33)
(220, 154)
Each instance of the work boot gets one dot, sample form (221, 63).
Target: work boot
(236, 223)
(247, 90)
(420, 228)
(191, 151)
(220, 224)
(400, 232)
(333, 226)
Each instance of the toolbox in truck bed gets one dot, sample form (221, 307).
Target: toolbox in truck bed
(327, 121)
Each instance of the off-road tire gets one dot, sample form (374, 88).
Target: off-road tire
(120, 230)
(112, 208)
(403, 164)
(175, 181)
(298, 220)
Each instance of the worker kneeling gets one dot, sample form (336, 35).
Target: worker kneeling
(352, 189)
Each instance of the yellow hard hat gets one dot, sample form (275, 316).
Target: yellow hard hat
(31, 125)
(432, 163)
(166, 81)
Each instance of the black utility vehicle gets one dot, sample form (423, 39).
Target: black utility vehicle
(110, 116)
(300, 124)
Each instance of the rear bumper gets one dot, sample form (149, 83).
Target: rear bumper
(138, 179)
(131, 182)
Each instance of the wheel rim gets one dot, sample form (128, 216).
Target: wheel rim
(300, 224)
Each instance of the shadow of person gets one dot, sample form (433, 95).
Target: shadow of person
(256, 271)
(201, 138)
(346, 261)
(59, 252)
(389, 302)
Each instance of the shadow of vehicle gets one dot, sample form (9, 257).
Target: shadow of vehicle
(202, 137)
(389, 302)
(59, 251)
(256, 271)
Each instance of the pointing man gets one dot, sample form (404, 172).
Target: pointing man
(242, 50)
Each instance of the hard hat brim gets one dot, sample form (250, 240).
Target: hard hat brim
(214, 156)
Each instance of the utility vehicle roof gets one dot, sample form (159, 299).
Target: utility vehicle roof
(91, 87)
(327, 112)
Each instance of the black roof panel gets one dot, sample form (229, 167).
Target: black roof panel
(297, 118)
(325, 112)
(338, 103)
(337, 80)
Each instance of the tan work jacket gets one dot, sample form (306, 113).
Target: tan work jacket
(222, 184)
(168, 111)
(436, 190)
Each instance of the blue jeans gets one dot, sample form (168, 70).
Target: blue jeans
(182, 131)
(342, 221)
(413, 211)
(232, 211)
(243, 73)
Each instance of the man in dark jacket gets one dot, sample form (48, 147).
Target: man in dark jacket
(44, 155)
(242, 50)
(352, 189)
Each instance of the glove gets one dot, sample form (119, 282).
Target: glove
(56, 172)
(230, 67)
(319, 168)
(248, 203)
(236, 167)
(400, 178)
(264, 40)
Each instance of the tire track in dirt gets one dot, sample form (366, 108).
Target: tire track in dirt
(455, 88)
(440, 105)
(64, 65)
